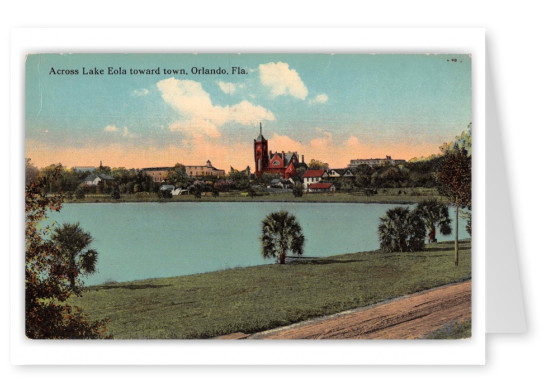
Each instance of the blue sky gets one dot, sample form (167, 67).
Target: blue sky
(328, 107)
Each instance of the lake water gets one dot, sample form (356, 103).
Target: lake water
(148, 240)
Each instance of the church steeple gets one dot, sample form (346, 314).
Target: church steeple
(260, 136)
(260, 153)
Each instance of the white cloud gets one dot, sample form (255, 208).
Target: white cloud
(321, 99)
(127, 133)
(192, 126)
(227, 88)
(140, 92)
(285, 143)
(281, 80)
(124, 131)
(200, 115)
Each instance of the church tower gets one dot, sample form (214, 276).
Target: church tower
(260, 154)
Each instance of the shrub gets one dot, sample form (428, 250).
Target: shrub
(164, 194)
(116, 193)
(79, 193)
(297, 191)
(196, 191)
(401, 230)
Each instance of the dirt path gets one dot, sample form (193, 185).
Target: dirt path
(409, 317)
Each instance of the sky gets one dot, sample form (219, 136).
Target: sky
(163, 109)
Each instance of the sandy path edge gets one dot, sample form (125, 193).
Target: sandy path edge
(407, 317)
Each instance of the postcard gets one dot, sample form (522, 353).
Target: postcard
(248, 196)
(235, 197)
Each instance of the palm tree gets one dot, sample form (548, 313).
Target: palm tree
(401, 230)
(281, 233)
(434, 213)
(76, 257)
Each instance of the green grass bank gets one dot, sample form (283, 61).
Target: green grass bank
(259, 298)
(384, 196)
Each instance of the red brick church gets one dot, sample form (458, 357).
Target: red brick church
(282, 163)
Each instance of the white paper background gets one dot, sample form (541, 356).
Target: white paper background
(469, 351)
(517, 37)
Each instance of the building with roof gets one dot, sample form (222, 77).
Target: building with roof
(84, 169)
(158, 174)
(339, 173)
(167, 188)
(283, 163)
(207, 170)
(312, 176)
(377, 162)
(281, 183)
(96, 179)
(321, 188)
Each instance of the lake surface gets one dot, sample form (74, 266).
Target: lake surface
(149, 240)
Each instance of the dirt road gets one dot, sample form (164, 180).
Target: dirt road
(409, 317)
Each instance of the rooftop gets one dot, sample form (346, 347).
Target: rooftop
(313, 173)
(320, 185)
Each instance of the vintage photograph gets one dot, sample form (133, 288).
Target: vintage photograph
(248, 196)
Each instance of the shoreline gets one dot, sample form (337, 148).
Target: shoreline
(409, 195)
(353, 198)
(249, 200)
(290, 261)
(263, 297)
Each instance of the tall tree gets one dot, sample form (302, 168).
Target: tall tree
(240, 180)
(31, 172)
(47, 285)
(178, 177)
(281, 233)
(317, 165)
(435, 214)
(454, 182)
(362, 175)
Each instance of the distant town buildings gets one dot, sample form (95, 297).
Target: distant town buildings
(388, 161)
(84, 169)
(158, 174)
(96, 179)
(208, 170)
(282, 163)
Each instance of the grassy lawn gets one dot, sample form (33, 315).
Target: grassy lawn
(389, 196)
(455, 330)
(263, 297)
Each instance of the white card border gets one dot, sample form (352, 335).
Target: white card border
(250, 40)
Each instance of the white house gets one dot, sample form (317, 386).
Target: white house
(95, 179)
(311, 176)
(321, 188)
(339, 173)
